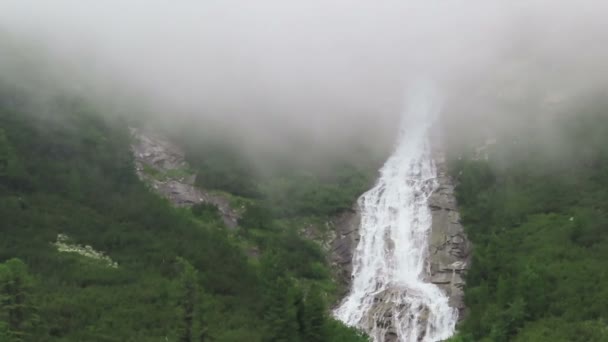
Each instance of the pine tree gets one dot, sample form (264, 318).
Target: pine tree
(203, 331)
(5, 154)
(280, 313)
(4, 332)
(314, 317)
(279, 298)
(187, 297)
(10, 168)
(15, 287)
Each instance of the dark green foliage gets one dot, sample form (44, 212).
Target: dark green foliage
(312, 317)
(293, 316)
(206, 212)
(281, 298)
(11, 169)
(257, 216)
(539, 224)
(561, 330)
(338, 332)
(221, 167)
(280, 312)
(302, 256)
(70, 171)
(287, 190)
(16, 311)
(314, 194)
(187, 293)
(80, 182)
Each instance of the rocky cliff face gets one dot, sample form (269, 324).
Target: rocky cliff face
(162, 164)
(449, 248)
(346, 228)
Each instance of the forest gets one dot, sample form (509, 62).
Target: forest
(167, 274)
(536, 211)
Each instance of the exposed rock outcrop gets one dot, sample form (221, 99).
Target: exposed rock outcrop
(342, 246)
(162, 164)
(449, 248)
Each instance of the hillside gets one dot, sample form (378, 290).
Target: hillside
(536, 210)
(152, 272)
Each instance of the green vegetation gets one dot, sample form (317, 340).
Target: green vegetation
(221, 167)
(306, 193)
(206, 212)
(281, 201)
(537, 214)
(181, 275)
(287, 189)
(167, 175)
(19, 321)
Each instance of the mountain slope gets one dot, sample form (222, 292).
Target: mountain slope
(66, 170)
(537, 213)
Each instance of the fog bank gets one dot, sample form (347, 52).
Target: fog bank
(316, 73)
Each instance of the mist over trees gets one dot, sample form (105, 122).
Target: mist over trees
(181, 274)
(539, 226)
(310, 80)
(288, 109)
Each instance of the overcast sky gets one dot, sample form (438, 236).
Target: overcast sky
(322, 70)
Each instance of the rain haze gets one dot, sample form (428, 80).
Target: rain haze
(314, 73)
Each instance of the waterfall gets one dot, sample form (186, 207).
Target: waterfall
(389, 298)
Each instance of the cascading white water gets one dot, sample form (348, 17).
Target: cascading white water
(389, 298)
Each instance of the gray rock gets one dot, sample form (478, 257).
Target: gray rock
(342, 247)
(157, 153)
(441, 278)
(449, 250)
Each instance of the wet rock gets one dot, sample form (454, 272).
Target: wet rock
(386, 316)
(342, 247)
(441, 278)
(449, 250)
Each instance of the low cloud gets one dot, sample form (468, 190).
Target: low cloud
(316, 74)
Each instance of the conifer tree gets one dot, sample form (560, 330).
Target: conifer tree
(280, 296)
(186, 301)
(314, 317)
(203, 330)
(17, 315)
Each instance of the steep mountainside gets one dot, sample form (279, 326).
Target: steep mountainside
(90, 253)
(536, 211)
(449, 250)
